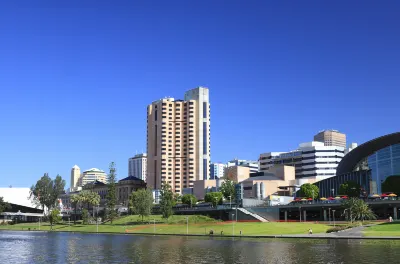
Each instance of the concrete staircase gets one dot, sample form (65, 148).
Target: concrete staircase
(256, 216)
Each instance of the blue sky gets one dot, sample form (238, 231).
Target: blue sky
(76, 76)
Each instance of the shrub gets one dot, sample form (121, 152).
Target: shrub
(337, 229)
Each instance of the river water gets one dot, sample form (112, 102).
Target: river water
(42, 247)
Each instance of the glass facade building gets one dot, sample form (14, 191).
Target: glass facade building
(369, 164)
(383, 163)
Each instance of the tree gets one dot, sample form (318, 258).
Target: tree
(46, 191)
(228, 189)
(90, 198)
(309, 190)
(214, 198)
(350, 188)
(141, 202)
(392, 184)
(166, 200)
(54, 217)
(85, 216)
(357, 209)
(112, 193)
(4, 205)
(189, 199)
(75, 200)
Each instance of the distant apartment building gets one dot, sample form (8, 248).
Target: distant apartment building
(92, 175)
(137, 166)
(331, 138)
(253, 165)
(350, 148)
(178, 140)
(311, 160)
(75, 175)
(217, 170)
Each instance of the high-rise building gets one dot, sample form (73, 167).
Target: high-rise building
(92, 175)
(217, 170)
(178, 140)
(138, 166)
(331, 138)
(252, 164)
(75, 175)
(311, 160)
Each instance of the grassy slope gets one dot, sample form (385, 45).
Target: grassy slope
(385, 229)
(177, 225)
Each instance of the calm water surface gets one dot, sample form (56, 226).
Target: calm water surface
(38, 247)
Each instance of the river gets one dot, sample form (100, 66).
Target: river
(43, 247)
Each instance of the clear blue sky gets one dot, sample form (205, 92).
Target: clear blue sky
(76, 76)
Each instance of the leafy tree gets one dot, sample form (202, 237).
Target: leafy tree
(85, 216)
(89, 197)
(141, 202)
(54, 217)
(46, 191)
(214, 198)
(392, 184)
(112, 193)
(309, 190)
(228, 189)
(350, 188)
(189, 199)
(177, 198)
(357, 209)
(75, 200)
(166, 200)
(4, 205)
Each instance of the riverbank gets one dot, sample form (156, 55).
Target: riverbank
(201, 226)
(179, 225)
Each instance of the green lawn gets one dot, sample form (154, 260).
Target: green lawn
(177, 225)
(385, 229)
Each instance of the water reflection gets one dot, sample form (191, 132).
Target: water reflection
(38, 247)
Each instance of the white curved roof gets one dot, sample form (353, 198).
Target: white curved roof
(19, 196)
(94, 170)
(75, 167)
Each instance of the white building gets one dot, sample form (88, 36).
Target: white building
(137, 166)
(217, 170)
(312, 160)
(350, 148)
(92, 175)
(252, 164)
(75, 175)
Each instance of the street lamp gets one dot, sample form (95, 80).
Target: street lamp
(333, 192)
(230, 201)
(300, 212)
(333, 211)
(97, 219)
(329, 215)
(233, 226)
(187, 225)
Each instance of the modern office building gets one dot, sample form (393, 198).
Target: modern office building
(75, 175)
(331, 138)
(137, 166)
(253, 165)
(368, 164)
(217, 170)
(178, 140)
(92, 175)
(312, 160)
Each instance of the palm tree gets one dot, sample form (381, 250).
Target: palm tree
(358, 210)
(90, 198)
(75, 200)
